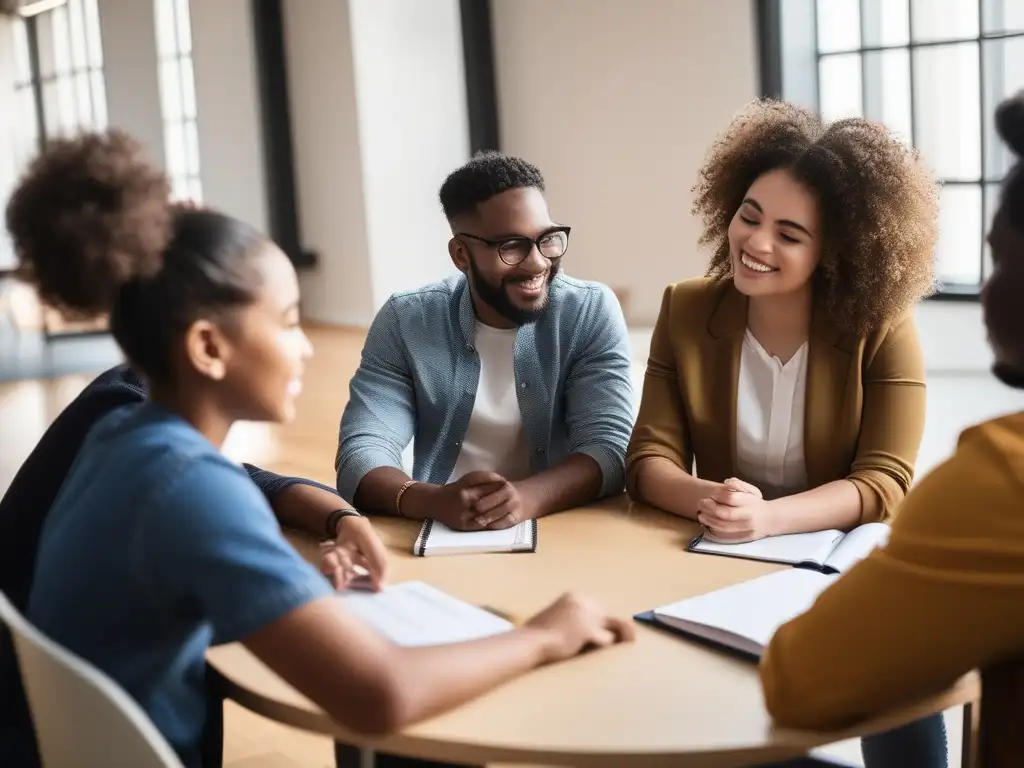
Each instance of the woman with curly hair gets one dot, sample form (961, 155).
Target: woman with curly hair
(183, 550)
(953, 571)
(785, 391)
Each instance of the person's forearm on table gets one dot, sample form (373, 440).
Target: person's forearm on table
(833, 505)
(306, 507)
(662, 484)
(378, 493)
(573, 482)
(432, 684)
(297, 502)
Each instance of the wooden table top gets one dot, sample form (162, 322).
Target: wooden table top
(660, 700)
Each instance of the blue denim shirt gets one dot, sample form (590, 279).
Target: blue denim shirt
(419, 372)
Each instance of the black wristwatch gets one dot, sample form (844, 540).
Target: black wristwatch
(333, 519)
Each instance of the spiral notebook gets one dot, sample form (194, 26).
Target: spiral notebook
(436, 538)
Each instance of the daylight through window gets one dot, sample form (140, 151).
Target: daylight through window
(178, 97)
(933, 71)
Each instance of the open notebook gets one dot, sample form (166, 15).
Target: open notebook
(825, 551)
(415, 613)
(436, 538)
(742, 618)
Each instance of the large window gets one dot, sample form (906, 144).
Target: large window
(178, 97)
(58, 74)
(58, 91)
(933, 71)
(57, 59)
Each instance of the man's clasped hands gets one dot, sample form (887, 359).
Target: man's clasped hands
(734, 512)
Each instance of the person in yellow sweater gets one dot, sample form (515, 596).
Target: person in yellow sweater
(947, 594)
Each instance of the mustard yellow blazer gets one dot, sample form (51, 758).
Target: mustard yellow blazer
(865, 405)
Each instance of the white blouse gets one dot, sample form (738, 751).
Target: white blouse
(770, 420)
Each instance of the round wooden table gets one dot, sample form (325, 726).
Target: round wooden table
(658, 701)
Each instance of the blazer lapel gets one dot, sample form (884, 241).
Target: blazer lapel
(726, 328)
(828, 368)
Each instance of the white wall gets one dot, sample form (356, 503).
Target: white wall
(413, 131)
(227, 106)
(130, 72)
(379, 116)
(953, 337)
(617, 104)
(328, 165)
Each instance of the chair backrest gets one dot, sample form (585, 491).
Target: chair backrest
(81, 716)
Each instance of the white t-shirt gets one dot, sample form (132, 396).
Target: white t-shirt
(770, 420)
(495, 440)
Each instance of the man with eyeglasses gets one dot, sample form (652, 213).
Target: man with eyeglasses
(512, 379)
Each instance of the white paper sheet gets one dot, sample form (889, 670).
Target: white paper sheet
(858, 544)
(752, 610)
(414, 613)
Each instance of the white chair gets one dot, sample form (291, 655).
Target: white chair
(82, 718)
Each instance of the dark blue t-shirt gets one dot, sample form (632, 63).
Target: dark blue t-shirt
(157, 547)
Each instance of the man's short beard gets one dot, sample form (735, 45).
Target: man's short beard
(496, 296)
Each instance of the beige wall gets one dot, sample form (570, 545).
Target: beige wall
(617, 102)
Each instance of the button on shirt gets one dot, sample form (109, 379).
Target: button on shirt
(770, 419)
(419, 374)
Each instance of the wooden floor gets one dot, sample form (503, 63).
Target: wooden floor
(306, 447)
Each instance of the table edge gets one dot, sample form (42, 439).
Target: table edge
(789, 743)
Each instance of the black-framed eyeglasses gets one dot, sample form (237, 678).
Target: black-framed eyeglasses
(515, 250)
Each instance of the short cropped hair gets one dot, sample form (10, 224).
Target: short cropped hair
(487, 174)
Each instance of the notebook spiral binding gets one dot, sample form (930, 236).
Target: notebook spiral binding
(419, 548)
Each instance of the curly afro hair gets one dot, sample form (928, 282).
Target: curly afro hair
(96, 233)
(879, 206)
(90, 214)
(487, 174)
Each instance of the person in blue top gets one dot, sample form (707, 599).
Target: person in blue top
(157, 546)
(512, 380)
(297, 503)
